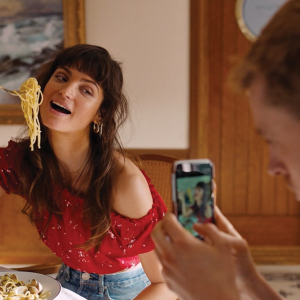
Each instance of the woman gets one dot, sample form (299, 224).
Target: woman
(91, 205)
(201, 210)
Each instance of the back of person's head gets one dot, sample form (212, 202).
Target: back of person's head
(97, 63)
(275, 56)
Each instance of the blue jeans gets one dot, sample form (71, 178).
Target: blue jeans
(125, 285)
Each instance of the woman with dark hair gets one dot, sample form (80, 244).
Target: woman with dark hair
(201, 210)
(91, 205)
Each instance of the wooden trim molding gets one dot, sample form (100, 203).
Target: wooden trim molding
(268, 230)
(74, 22)
(27, 257)
(199, 78)
(268, 255)
(157, 157)
(177, 153)
(11, 114)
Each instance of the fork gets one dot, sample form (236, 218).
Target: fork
(14, 93)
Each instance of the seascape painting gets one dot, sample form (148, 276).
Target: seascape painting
(30, 31)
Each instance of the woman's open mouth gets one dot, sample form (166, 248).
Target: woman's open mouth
(60, 108)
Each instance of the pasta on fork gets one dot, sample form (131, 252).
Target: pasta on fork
(31, 98)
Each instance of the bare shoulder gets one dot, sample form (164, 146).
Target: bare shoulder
(131, 194)
(2, 192)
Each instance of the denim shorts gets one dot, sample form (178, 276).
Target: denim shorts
(124, 285)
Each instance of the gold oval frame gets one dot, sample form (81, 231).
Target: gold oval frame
(239, 13)
(241, 22)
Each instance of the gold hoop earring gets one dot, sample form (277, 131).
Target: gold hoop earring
(97, 127)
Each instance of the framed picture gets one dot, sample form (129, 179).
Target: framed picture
(253, 15)
(30, 31)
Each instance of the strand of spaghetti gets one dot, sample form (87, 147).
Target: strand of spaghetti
(31, 98)
(30, 107)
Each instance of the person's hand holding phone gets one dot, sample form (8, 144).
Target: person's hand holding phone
(249, 282)
(245, 268)
(193, 268)
(244, 265)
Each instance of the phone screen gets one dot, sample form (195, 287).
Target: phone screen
(193, 193)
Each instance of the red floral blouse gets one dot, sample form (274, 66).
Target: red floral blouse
(118, 251)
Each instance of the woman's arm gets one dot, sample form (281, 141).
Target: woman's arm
(131, 195)
(158, 289)
(186, 211)
(2, 192)
(132, 198)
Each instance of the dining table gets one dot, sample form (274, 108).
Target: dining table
(65, 294)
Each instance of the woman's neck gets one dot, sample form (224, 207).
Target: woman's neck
(71, 150)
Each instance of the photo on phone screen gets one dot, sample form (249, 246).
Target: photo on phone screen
(193, 192)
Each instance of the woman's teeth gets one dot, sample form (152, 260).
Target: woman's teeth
(60, 108)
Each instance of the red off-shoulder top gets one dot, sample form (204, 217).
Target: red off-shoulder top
(119, 249)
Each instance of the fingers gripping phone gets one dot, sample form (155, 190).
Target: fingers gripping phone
(192, 192)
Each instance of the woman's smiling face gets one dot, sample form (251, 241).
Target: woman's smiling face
(71, 101)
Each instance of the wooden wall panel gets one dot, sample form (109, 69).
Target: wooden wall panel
(225, 133)
(268, 230)
(294, 206)
(199, 79)
(19, 240)
(242, 120)
(215, 80)
(255, 172)
(241, 158)
(227, 175)
(281, 197)
(267, 191)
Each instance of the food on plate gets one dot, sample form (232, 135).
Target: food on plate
(11, 288)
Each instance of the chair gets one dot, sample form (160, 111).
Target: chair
(159, 170)
(157, 167)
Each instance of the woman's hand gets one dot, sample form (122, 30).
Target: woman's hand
(192, 268)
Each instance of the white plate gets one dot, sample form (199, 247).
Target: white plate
(48, 283)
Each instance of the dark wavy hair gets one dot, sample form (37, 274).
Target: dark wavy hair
(40, 173)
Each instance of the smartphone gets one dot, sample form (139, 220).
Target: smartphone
(192, 192)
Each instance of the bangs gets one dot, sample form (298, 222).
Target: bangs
(92, 62)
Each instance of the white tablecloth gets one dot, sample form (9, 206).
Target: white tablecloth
(64, 295)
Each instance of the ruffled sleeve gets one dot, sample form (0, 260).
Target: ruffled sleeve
(129, 237)
(9, 179)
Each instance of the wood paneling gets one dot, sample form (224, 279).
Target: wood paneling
(276, 255)
(74, 22)
(221, 128)
(199, 80)
(268, 230)
(19, 240)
